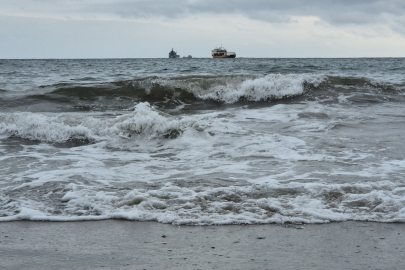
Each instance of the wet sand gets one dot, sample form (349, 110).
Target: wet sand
(116, 244)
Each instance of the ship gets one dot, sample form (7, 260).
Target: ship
(221, 52)
(173, 54)
(189, 56)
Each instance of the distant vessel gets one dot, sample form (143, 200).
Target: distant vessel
(189, 56)
(221, 52)
(173, 54)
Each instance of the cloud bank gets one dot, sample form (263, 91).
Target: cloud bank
(389, 12)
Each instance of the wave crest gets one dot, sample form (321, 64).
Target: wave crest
(39, 127)
(227, 89)
(272, 86)
(144, 121)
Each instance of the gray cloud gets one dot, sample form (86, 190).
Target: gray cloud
(332, 11)
(384, 13)
(335, 12)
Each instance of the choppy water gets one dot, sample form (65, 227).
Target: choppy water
(203, 141)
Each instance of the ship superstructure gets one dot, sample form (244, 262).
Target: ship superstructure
(221, 52)
(173, 54)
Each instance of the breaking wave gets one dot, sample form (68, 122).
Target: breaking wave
(273, 86)
(178, 91)
(144, 121)
(224, 89)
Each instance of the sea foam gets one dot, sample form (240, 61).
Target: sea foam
(249, 204)
(144, 121)
(272, 86)
(228, 89)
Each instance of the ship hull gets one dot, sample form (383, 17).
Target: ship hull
(224, 56)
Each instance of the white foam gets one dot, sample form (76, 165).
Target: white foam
(309, 203)
(284, 163)
(272, 86)
(230, 89)
(40, 127)
(144, 122)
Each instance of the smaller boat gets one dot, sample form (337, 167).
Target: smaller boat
(221, 52)
(173, 54)
(189, 56)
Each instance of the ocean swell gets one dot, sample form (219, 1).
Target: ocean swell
(169, 93)
(180, 90)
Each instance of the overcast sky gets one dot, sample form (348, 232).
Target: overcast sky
(251, 28)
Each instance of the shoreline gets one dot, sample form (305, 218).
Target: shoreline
(121, 244)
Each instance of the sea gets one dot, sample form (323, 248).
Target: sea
(203, 141)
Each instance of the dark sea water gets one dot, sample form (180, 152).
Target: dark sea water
(203, 141)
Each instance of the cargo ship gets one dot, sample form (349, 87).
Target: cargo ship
(173, 54)
(221, 52)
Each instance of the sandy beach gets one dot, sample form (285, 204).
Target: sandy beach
(117, 244)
